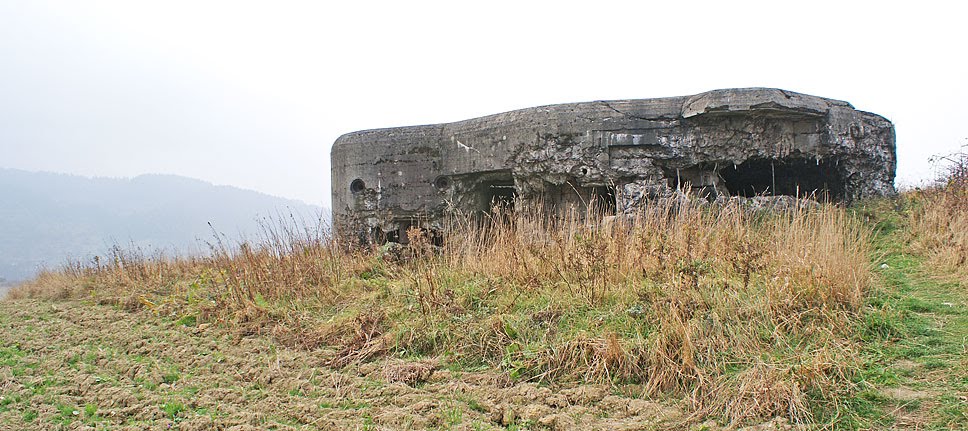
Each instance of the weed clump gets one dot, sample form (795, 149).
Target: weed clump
(939, 215)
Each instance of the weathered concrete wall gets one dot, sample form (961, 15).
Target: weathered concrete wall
(623, 153)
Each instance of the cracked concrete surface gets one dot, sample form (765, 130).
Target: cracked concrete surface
(618, 154)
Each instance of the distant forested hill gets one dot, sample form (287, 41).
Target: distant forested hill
(46, 218)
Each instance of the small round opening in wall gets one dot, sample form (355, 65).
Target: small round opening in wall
(442, 183)
(357, 186)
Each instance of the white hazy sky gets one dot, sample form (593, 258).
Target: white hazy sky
(252, 94)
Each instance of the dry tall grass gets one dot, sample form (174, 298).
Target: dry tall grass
(709, 291)
(939, 220)
(747, 313)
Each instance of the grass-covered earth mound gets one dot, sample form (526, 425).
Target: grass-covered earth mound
(680, 316)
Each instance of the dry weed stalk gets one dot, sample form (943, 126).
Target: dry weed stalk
(940, 217)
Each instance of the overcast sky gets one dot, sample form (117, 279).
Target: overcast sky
(252, 94)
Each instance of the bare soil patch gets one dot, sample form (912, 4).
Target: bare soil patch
(71, 365)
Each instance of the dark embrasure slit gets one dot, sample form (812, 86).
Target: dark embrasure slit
(791, 176)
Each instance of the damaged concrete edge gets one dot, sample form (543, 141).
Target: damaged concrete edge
(620, 154)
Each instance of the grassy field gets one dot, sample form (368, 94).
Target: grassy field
(683, 317)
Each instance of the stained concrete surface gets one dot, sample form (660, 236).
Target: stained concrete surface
(618, 155)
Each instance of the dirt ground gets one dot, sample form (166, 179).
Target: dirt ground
(70, 365)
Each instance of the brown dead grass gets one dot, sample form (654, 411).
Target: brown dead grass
(409, 373)
(939, 227)
(132, 371)
(747, 314)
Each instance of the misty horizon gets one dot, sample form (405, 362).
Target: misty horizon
(157, 174)
(48, 219)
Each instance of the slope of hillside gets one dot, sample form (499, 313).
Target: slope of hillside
(314, 338)
(681, 316)
(46, 218)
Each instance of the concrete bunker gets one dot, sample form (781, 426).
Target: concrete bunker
(614, 156)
